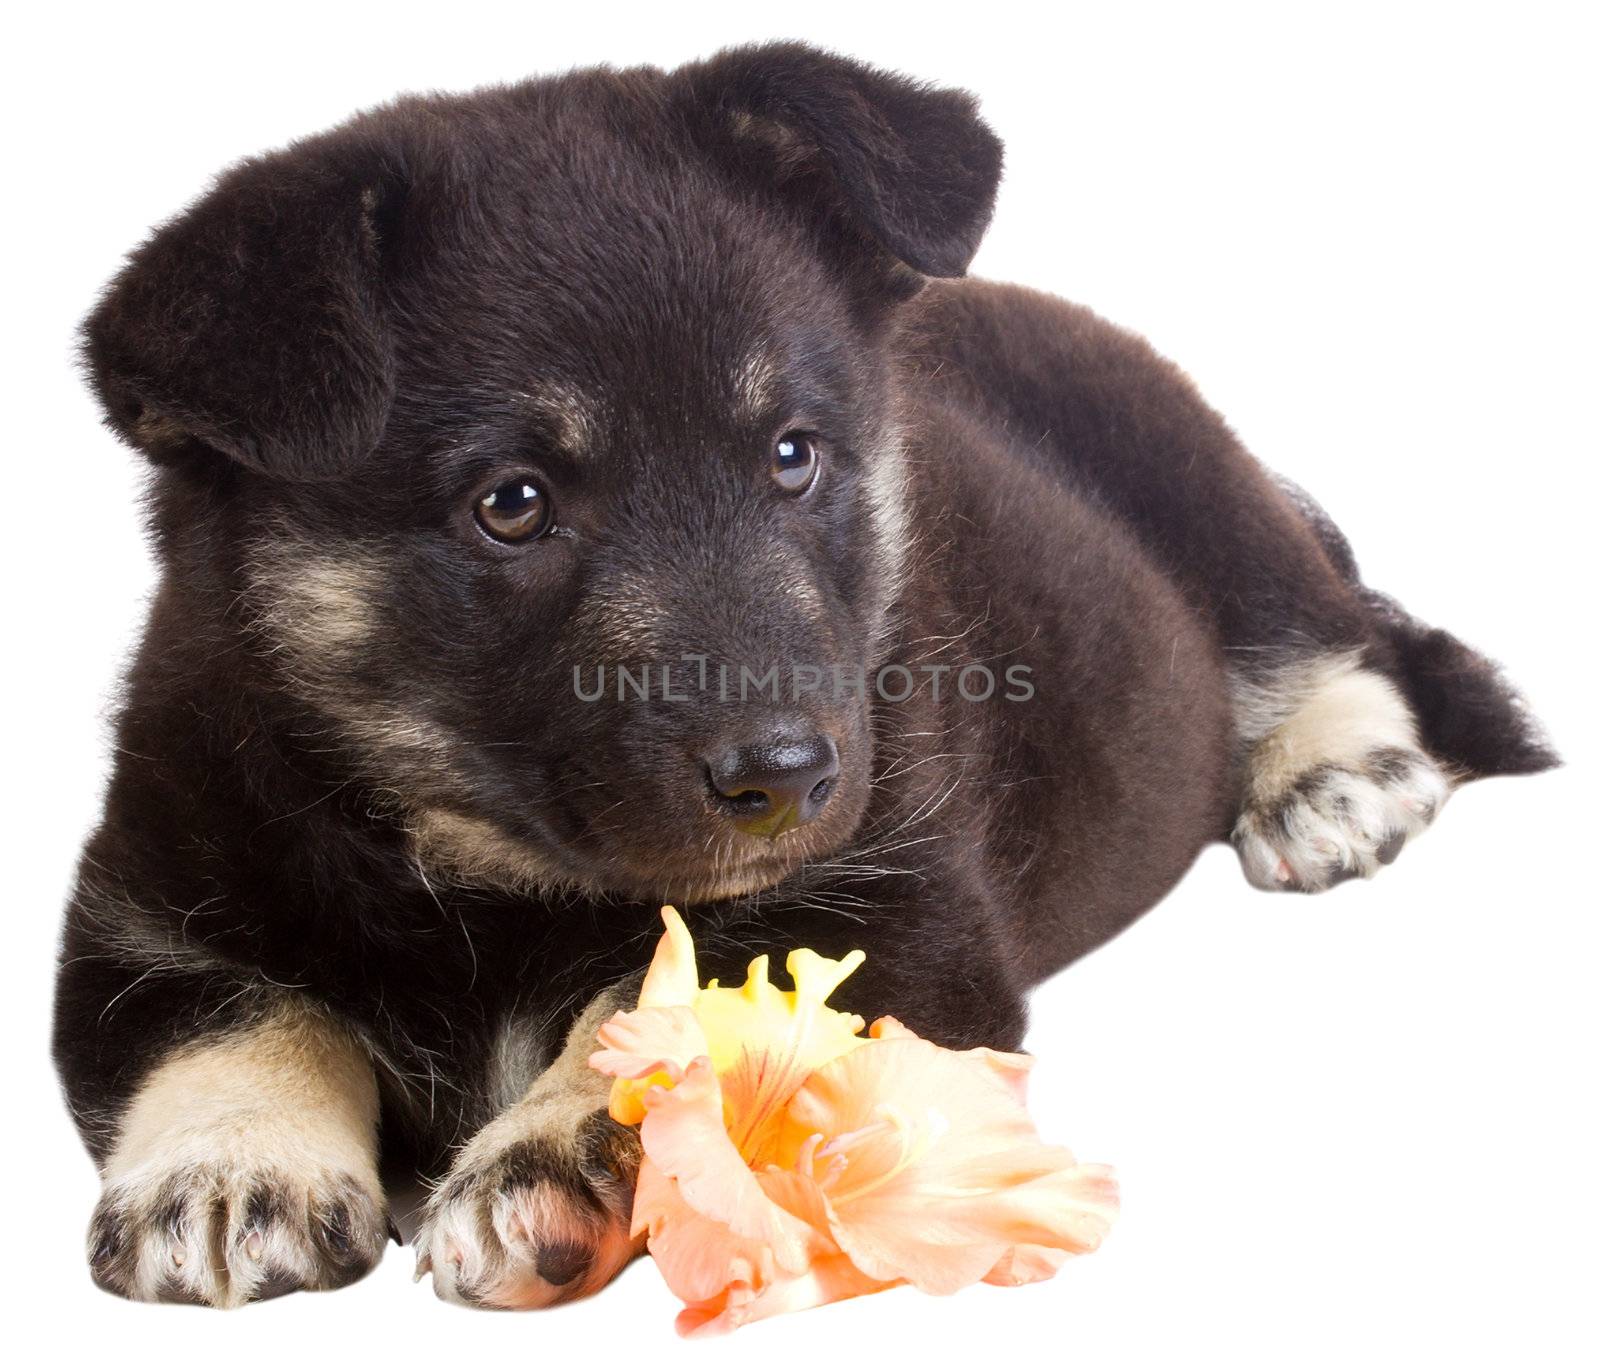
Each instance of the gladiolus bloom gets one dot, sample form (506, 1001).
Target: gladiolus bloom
(789, 1161)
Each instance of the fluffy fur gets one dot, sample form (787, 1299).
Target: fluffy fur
(352, 767)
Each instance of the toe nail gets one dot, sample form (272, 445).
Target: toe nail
(1283, 873)
(179, 1256)
(1389, 849)
(254, 1245)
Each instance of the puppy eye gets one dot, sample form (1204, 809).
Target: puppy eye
(513, 512)
(794, 462)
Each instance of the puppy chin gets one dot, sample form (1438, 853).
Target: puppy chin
(731, 886)
(738, 873)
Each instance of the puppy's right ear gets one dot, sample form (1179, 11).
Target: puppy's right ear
(253, 323)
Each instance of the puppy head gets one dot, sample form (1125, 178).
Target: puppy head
(556, 429)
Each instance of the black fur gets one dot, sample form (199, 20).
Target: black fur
(343, 345)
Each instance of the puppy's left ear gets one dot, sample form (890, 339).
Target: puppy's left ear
(913, 166)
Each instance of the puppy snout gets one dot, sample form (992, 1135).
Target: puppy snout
(775, 784)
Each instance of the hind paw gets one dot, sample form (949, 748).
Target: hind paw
(1339, 820)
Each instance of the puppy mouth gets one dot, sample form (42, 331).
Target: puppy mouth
(732, 863)
(474, 849)
(734, 886)
(742, 864)
(719, 843)
(716, 857)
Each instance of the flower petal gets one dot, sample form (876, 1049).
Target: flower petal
(732, 1245)
(829, 1278)
(700, 1258)
(753, 1291)
(956, 1181)
(877, 1162)
(672, 979)
(1094, 1188)
(891, 1028)
(649, 1047)
(766, 1041)
(684, 1137)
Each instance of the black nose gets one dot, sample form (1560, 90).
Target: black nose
(776, 784)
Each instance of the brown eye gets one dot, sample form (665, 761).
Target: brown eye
(794, 462)
(516, 511)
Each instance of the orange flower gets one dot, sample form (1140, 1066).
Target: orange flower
(789, 1162)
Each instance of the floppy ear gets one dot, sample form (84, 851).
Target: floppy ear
(914, 165)
(252, 324)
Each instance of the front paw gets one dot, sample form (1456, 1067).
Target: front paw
(222, 1231)
(535, 1210)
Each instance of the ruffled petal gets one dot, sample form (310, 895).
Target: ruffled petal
(733, 1245)
(684, 1137)
(891, 1028)
(1094, 1190)
(753, 1292)
(1012, 1067)
(829, 1278)
(702, 1260)
(953, 1179)
(649, 1047)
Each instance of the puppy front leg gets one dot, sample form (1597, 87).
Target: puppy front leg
(245, 1167)
(537, 1206)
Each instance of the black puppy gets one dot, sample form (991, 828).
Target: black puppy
(588, 494)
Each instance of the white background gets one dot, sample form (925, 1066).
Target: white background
(1362, 1121)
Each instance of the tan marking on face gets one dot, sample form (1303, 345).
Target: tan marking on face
(886, 478)
(318, 604)
(785, 573)
(317, 609)
(471, 849)
(574, 414)
(157, 432)
(755, 382)
(400, 736)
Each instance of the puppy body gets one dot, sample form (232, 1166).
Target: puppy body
(358, 767)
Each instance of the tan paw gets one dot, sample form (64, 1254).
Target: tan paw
(532, 1214)
(223, 1232)
(1338, 821)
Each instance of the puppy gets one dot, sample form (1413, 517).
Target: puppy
(605, 491)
